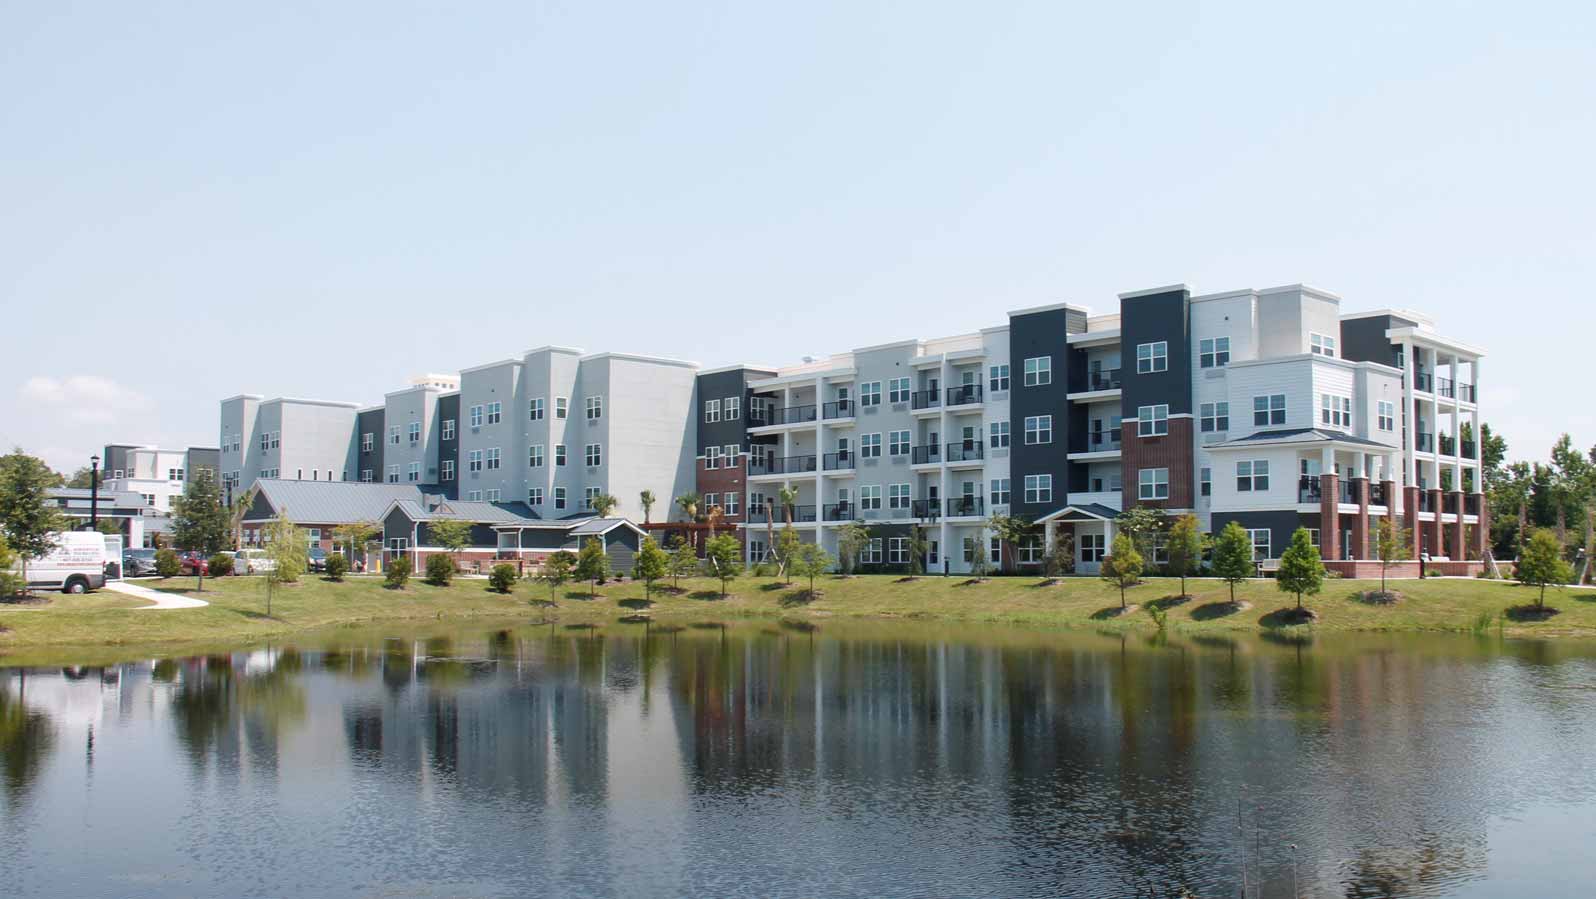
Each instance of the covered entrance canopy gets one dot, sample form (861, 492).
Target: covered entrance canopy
(1093, 526)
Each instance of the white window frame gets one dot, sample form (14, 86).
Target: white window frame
(559, 497)
(1000, 494)
(869, 446)
(1038, 371)
(491, 460)
(870, 393)
(1152, 421)
(1321, 344)
(1213, 352)
(534, 409)
(898, 443)
(474, 496)
(535, 456)
(559, 455)
(1093, 547)
(393, 473)
(474, 460)
(412, 472)
(1214, 417)
(1252, 476)
(729, 455)
(1335, 411)
(562, 407)
(588, 495)
(368, 442)
(998, 434)
(534, 496)
(1205, 481)
(898, 496)
(870, 498)
(733, 408)
(872, 552)
(1270, 415)
(1152, 483)
(1252, 534)
(414, 432)
(593, 455)
(595, 408)
(898, 390)
(897, 550)
(448, 429)
(495, 412)
(1038, 488)
(393, 435)
(1152, 357)
(492, 495)
(1038, 430)
(712, 458)
(997, 378)
(711, 411)
(446, 470)
(730, 503)
(476, 416)
(1385, 415)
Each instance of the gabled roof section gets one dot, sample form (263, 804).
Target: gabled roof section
(435, 508)
(333, 502)
(1081, 512)
(598, 526)
(1302, 435)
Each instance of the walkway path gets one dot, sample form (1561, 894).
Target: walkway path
(161, 600)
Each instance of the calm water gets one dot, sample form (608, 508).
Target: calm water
(753, 760)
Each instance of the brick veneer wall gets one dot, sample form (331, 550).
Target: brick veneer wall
(1172, 451)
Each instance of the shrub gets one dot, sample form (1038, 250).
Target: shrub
(502, 577)
(221, 565)
(167, 564)
(397, 573)
(440, 570)
(337, 566)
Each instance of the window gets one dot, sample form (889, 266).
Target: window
(995, 551)
(393, 474)
(1038, 488)
(1321, 345)
(493, 458)
(1335, 411)
(1205, 480)
(1152, 357)
(732, 451)
(1269, 410)
(730, 501)
(756, 501)
(446, 470)
(1029, 552)
(534, 496)
(898, 390)
(756, 550)
(872, 552)
(149, 499)
(711, 411)
(474, 460)
(898, 550)
(367, 444)
(474, 496)
(393, 434)
(734, 408)
(897, 496)
(1000, 491)
(534, 409)
(870, 497)
(709, 501)
(266, 440)
(559, 454)
(493, 495)
(412, 472)
(559, 497)
(870, 393)
(1038, 429)
(711, 457)
(870, 446)
(997, 378)
(174, 474)
(1092, 549)
(588, 495)
(415, 432)
(561, 406)
(277, 439)
(998, 434)
(1213, 352)
(534, 455)
(1215, 417)
(448, 429)
(1038, 371)
(1152, 483)
(595, 407)
(593, 455)
(365, 476)
(1260, 543)
(898, 443)
(1152, 421)
(1313, 537)
(476, 416)
(495, 411)
(1386, 416)
(1253, 476)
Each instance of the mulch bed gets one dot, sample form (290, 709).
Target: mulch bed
(1377, 598)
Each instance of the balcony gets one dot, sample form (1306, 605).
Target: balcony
(964, 506)
(1104, 380)
(1426, 501)
(926, 455)
(838, 409)
(781, 465)
(964, 395)
(1424, 443)
(1103, 441)
(1377, 495)
(925, 399)
(925, 508)
(1465, 392)
(840, 512)
(793, 415)
(1447, 444)
(1308, 490)
(1423, 380)
(1471, 504)
(840, 461)
(1468, 450)
(803, 513)
(966, 451)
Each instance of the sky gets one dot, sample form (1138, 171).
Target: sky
(201, 200)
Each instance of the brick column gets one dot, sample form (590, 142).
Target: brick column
(1458, 550)
(1410, 517)
(1360, 524)
(1482, 530)
(1437, 536)
(1329, 517)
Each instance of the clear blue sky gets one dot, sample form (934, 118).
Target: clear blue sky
(323, 199)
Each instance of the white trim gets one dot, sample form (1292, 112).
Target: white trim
(1152, 291)
(487, 365)
(1050, 307)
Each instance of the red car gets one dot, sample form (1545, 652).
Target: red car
(192, 561)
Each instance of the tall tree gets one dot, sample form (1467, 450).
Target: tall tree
(650, 565)
(84, 478)
(1123, 565)
(1185, 548)
(1011, 531)
(1301, 571)
(1541, 564)
(646, 500)
(592, 565)
(1233, 561)
(199, 522)
(29, 518)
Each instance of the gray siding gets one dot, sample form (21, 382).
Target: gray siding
(370, 422)
(449, 410)
(1149, 319)
(1040, 334)
(1364, 340)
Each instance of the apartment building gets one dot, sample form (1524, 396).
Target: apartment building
(154, 475)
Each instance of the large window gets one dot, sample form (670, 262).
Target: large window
(415, 432)
(1322, 345)
(534, 409)
(1152, 421)
(476, 416)
(593, 455)
(474, 460)
(393, 474)
(367, 444)
(898, 390)
(898, 550)
(1000, 491)
(711, 411)
(998, 378)
(559, 497)
(1092, 547)
(1260, 543)
(559, 455)
(1152, 357)
(1213, 352)
(562, 406)
(1335, 411)
(870, 446)
(1038, 488)
(595, 407)
(1252, 476)
(870, 393)
(588, 495)
(998, 434)
(1269, 410)
(898, 443)
(712, 456)
(534, 496)
(495, 412)
(1038, 371)
(733, 407)
(870, 497)
(448, 429)
(897, 496)
(493, 458)
(393, 434)
(1215, 417)
(1152, 483)
(1386, 415)
(872, 552)
(446, 470)
(1038, 429)
(412, 472)
(534, 455)
(731, 451)
(729, 503)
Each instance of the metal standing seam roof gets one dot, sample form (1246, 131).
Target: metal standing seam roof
(334, 502)
(1304, 435)
(475, 512)
(600, 526)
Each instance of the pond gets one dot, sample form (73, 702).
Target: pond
(868, 760)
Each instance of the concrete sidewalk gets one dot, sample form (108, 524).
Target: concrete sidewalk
(160, 600)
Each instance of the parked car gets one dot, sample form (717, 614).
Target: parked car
(195, 563)
(252, 561)
(316, 559)
(75, 565)
(138, 562)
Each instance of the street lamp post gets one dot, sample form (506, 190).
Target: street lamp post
(94, 493)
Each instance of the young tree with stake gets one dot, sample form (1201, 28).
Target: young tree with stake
(1185, 548)
(1123, 566)
(1301, 571)
(1233, 562)
(650, 565)
(556, 572)
(1390, 545)
(592, 565)
(1541, 564)
(725, 557)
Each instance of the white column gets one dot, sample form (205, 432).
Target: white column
(1457, 432)
(1479, 438)
(1410, 413)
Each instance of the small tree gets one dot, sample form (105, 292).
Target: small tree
(683, 561)
(337, 567)
(397, 573)
(354, 536)
(440, 569)
(812, 562)
(852, 538)
(167, 564)
(650, 565)
(917, 550)
(788, 545)
(199, 521)
(725, 557)
(1012, 531)
(980, 562)
(592, 565)
(1541, 564)
(29, 518)
(556, 571)
(502, 577)
(452, 535)
(1301, 571)
(1142, 524)
(1123, 566)
(287, 548)
(221, 565)
(1233, 557)
(1185, 548)
(646, 500)
(1390, 545)
(689, 503)
(604, 504)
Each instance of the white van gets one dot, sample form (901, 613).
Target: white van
(76, 565)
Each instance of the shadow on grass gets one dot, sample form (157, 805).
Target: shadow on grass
(671, 589)
(1529, 612)
(1291, 616)
(1375, 597)
(772, 587)
(636, 603)
(1169, 602)
(256, 616)
(581, 595)
(707, 595)
(1109, 613)
(798, 598)
(1208, 611)
(971, 582)
(1046, 582)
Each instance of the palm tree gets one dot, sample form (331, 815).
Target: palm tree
(604, 504)
(789, 498)
(646, 498)
(689, 503)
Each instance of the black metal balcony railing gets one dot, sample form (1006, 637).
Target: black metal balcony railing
(1424, 443)
(1468, 449)
(839, 511)
(1465, 392)
(757, 417)
(1443, 387)
(925, 399)
(781, 465)
(838, 409)
(760, 514)
(1423, 380)
(1471, 504)
(792, 415)
(1104, 380)
(965, 451)
(925, 508)
(964, 505)
(1426, 501)
(1105, 440)
(838, 461)
(1377, 495)
(803, 513)
(964, 394)
(925, 455)
(1308, 491)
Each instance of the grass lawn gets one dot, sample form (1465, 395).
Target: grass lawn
(237, 614)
